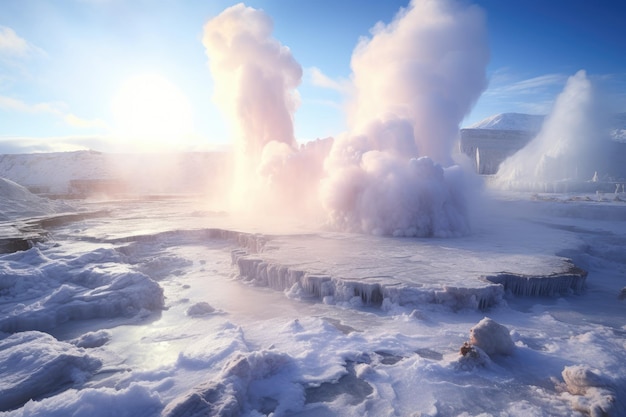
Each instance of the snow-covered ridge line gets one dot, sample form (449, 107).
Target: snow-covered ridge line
(320, 286)
(254, 243)
(18, 235)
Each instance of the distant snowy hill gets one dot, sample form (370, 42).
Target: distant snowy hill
(511, 121)
(17, 202)
(67, 172)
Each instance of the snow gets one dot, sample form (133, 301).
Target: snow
(511, 121)
(493, 338)
(169, 307)
(35, 365)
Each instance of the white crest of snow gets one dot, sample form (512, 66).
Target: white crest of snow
(17, 202)
(511, 121)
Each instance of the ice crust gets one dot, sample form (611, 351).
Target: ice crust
(34, 365)
(46, 290)
(400, 271)
(261, 352)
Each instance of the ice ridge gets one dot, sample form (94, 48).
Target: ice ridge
(329, 288)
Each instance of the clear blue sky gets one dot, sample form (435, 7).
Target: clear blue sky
(66, 65)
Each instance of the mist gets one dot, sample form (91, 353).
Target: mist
(392, 172)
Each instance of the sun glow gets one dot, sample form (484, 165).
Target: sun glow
(150, 111)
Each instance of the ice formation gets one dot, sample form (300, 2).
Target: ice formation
(593, 393)
(569, 281)
(493, 338)
(232, 392)
(35, 365)
(46, 291)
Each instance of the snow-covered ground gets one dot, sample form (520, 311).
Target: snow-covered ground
(142, 312)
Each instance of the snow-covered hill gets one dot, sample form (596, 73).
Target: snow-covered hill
(511, 121)
(55, 173)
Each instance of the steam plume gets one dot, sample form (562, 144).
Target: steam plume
(255, 81)
(415, 79)
(569, 146)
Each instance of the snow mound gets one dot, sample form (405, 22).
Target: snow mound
(17, 202)
(591, 392)
(254, 380)
(492, 338)
(34, 365)
(511, 121)
(136, 400)
(200, 309)
(45, 292)
(92, 339)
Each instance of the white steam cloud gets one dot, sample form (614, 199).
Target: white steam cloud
(255, 86)
(413, 81)
(571, 145)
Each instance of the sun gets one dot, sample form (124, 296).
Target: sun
(150, 111)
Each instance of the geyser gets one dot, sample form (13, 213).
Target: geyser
(415, 79)
(392, 173)
(571, 146)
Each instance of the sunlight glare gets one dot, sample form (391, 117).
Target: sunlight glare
(150, 110)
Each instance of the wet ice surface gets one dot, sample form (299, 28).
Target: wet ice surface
(222, 344)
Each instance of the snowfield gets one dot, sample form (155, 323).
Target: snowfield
(162, 307)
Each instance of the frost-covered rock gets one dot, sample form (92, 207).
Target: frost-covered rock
(200, 309)
(34, 365)
(493, 338)
(592, 393)
(471, 357)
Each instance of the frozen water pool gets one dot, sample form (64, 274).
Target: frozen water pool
(159, 321)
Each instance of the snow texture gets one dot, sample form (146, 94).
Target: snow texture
(593, 393)
(511, 121)
(47, 290)
(34, 365)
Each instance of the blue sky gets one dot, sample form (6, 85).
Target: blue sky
(68, 68)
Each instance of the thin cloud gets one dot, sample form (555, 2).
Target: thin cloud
(55, 108)
(533, 85)
(75, 121)
(13, 104)
(319, 79)
(14, 46)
